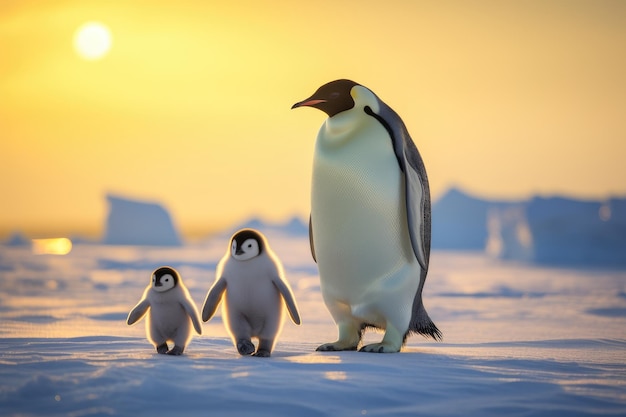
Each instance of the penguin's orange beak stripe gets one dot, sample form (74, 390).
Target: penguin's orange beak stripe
(308, 103)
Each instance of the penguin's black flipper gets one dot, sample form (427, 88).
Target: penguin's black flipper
(417, 190)
(311, 239)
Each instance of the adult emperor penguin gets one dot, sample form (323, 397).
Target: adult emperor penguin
(370, 219)
(171, 312)
(251, 277)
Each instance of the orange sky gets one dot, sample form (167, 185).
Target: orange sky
(191, 107)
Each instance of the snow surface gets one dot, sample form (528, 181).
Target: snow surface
(519, 340)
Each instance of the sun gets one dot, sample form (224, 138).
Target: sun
(92, 40)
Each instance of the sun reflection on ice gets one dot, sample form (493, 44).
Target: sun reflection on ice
(54, 246)
(323, 359)
(315, 358)
(336, 375)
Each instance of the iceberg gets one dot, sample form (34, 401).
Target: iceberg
(131, 222)
(459, 221)
(17, 239)
(551, 230)
(561, 231)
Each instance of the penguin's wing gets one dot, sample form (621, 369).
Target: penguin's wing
(138, 311)
(213, 298)
(311, 239)
(417, 190)
(287, 295)
(192, 312)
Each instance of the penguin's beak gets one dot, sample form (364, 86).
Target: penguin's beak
(308, 102)
(239, 252)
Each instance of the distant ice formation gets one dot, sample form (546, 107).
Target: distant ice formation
(459, 221)
(543, 230)
(292, 227)
(132, 222)
(17, 239)
(561, 231)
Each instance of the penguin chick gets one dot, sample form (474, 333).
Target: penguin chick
(171, 312)
(370, 219)
(250, 278)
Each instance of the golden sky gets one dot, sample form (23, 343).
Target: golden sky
(191, 106)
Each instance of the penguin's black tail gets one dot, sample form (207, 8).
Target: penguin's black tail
(422, 324)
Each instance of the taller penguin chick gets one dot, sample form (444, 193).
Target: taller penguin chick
(251, 278)
(370, 219)
(171, 312)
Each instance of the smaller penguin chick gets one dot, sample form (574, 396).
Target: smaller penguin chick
(170, 312)
(250, 278)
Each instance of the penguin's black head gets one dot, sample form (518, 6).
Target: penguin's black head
(246, 244)
(331, 98)
(164, 279)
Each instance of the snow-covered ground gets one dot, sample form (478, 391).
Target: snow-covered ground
(518, 341)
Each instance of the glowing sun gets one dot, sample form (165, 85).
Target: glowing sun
(92, 40)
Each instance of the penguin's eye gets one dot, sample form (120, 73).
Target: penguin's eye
(334, 95)
(249, 245)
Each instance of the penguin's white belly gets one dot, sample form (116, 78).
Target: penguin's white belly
(251, 296)
(359, 218)
(256, 301)
(168, 318)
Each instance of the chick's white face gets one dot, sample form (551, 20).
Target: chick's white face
(247, 250)
(163, 283)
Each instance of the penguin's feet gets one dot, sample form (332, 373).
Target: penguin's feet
(245, 347)
(349, 337)
(391, 343)
(262, 353)
(380, 348)
(176, 351)
(265, 348)
(335, 347)
(162, 349)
